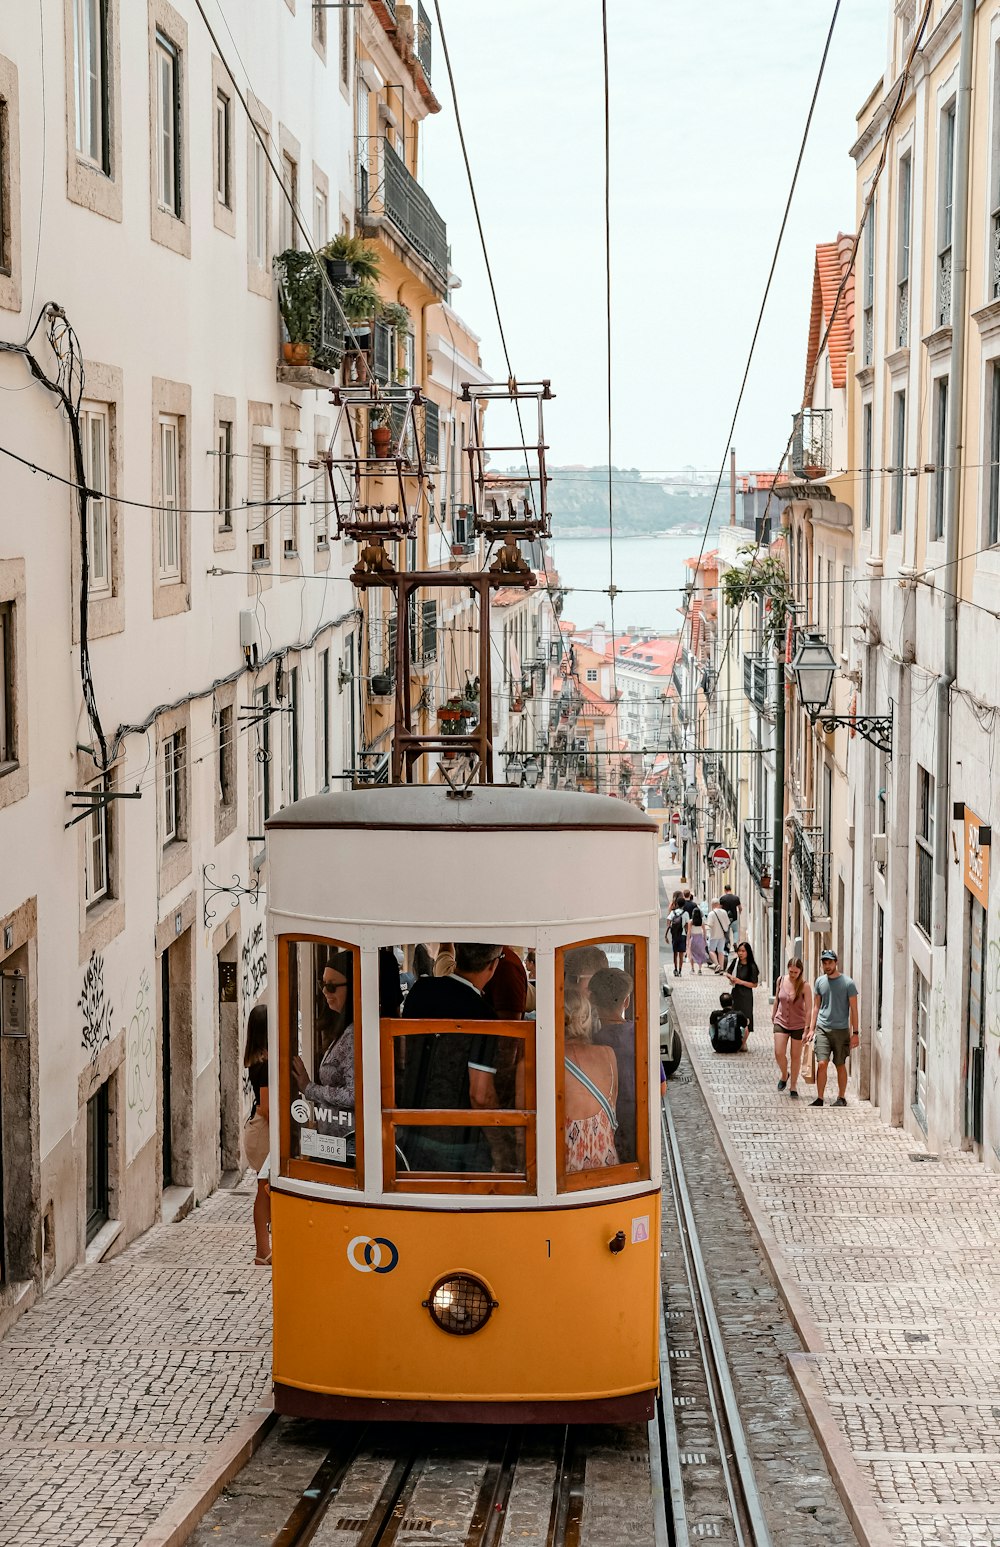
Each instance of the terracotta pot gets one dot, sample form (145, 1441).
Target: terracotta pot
(296, 354)
(382, 439)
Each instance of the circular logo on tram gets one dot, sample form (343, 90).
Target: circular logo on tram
(300, 1110)
(372, 1254)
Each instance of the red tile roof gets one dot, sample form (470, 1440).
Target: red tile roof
(832, 264)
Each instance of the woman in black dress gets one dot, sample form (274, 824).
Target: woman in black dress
(744, 975)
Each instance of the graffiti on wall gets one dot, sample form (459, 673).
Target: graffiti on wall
(254, 965)
(140, 1060)
(96, 1007)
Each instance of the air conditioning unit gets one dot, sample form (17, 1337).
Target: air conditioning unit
(250, 640)
(880, 849)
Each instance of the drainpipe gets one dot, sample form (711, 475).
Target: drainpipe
(956, 405)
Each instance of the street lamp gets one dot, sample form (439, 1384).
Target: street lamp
(532, 772)
(813, 666)
(514, 772)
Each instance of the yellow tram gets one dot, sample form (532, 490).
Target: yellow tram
(460, 1230)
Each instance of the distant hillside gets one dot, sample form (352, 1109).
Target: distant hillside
(578, 500)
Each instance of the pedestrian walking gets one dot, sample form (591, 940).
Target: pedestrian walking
(672, 849)
(833, 1025)
(734, 908)
(697, 943)
(717, 934)
(677, 922)
(790, 1015)
(744, 975)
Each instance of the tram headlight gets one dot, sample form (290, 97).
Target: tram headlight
(460, 1304)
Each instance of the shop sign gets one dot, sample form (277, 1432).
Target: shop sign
(976, 859)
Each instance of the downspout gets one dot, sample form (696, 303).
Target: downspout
(956, 396)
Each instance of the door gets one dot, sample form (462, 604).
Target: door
(975, 1023)
(168, 1165)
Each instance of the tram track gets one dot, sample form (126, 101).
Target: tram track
(714, 1492)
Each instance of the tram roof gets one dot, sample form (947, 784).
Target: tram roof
(488, 807)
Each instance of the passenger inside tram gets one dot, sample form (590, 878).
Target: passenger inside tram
(591, 1090)
(580, 964)
(614, 1027)
(455, 1070)
(331, 1093)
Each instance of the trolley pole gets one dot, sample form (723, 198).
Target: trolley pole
(777, 857)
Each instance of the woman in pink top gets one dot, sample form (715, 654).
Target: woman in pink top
(790, 1016)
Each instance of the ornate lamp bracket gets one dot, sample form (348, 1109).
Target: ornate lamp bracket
(873, 728)
(234, 892)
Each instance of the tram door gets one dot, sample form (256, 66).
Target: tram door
(975, 1025)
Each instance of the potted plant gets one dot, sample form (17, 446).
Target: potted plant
(380, 416)
(765, 879)
(299, 304)
(381, 684)
(350, 260)
(361, 303)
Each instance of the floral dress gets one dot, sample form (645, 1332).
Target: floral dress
(590, 1141)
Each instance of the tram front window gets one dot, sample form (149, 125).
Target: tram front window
(604, 1065)
(470, 1065)
(323, 1090)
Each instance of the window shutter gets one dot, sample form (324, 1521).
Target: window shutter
(289, 494)
(260, 461)
(428, 643)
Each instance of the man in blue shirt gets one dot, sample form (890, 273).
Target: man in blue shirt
(834, 1025)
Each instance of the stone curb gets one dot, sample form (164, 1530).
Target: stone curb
(849, 1480)
(851, 1483)
(179, 1520)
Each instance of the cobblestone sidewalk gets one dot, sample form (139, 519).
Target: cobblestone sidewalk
(899, 1265)
(120, 1384)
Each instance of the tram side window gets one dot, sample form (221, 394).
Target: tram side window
(323, 1068)
(476, 1057)
(602, 1009)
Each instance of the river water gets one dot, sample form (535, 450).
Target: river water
(648, 571)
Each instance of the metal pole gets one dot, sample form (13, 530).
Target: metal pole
(778, 847)
(732, 486)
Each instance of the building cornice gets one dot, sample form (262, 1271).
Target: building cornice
(987, 319)
(926, 59)
(937, 343)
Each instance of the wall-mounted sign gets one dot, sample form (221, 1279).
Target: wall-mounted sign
(975, 859)
(13, 1005)
(227, 983)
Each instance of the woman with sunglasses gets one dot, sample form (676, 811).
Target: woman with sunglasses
(333, 1086)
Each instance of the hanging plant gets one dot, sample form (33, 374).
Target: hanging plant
(762, 574)
(397, 316)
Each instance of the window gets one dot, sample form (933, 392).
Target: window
(173, 788)
(591, 673)
(898, 458)
(260, 493)
(443, 1055)
(290, 503)
(170, 483)
(993, 507)
(319, 28)
(94, 433)
(224, 149)
(6, 259)
(168, 160)
(262, 762)
(946, 202)
(287, 231)
(96, 870)
(227, 757)
(866, 466)
(868, 312)
(323, 719)
(8, 701)
(924, 858)
(602, 1063)
(362, 112)
(345, 46)
(321, 501)
(224, 473)
(258, 201)
(903, 253)
(940, 457)
(90, 64)
(98, 1137)
(320, 1078)
(321, 218)
(921, 997)
(291, 720)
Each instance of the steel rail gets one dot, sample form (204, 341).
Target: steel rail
(741, 1482)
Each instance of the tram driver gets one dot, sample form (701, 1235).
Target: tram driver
(453, 1070)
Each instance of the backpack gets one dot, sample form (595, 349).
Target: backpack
(728, 1034)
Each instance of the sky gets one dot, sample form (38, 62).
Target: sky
(708, 104)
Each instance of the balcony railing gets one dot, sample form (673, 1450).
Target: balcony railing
(903, 314)
(371, 351)
(925, 887)
(811, 863)
(760, 682)
(811, 441)
(757, 853)
(868, 335)
(944, 288)
(397, 197)
(424, 41)
(727, 791)
(319, 346)
(996, 255)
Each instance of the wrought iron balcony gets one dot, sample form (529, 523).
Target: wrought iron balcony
(727, 791)
(868, 335)
(757, 854)
(903, 314)
(811, 863)
(370, 351)
(760, 682)
(304, 299)
(944, 288)
(398, 199)
(811, 442)
(424, 40)
(996, 256)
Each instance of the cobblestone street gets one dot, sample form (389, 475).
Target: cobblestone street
(130, 1378)
(891, 1268)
